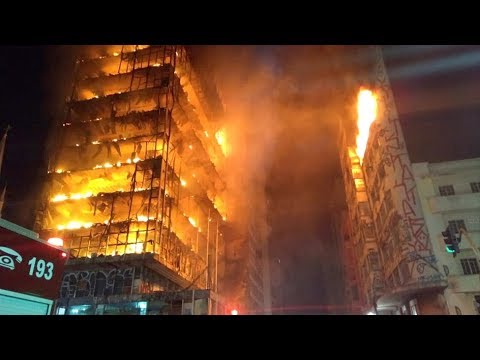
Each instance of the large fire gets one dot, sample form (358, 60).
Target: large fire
(125, 195)
(367, 112)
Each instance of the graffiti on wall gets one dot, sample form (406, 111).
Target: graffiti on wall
(97, 283)
(418, 250)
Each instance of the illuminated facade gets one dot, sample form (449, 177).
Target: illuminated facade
(396, 270)
(356, 230)
(135, 188)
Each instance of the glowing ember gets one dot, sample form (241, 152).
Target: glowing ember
(139, 248)
(183, 182)
(60, 197)
(192, 221)
(222, 141)
(367, 112)
(74, 225)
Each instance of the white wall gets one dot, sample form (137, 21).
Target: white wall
(438, 210)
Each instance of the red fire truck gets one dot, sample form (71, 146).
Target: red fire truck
(30, 271)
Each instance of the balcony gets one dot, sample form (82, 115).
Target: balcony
(403, 293)
(468, 201)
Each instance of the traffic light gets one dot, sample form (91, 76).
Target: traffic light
(451, 241)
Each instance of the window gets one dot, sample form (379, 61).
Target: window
(456, 225)
(359, 185)
(470, 266)
(369, 230)
(356, 172)
(364, 209)
(374, 261)
(475, 186)
(446, 190)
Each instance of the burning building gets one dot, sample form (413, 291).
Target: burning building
(135, 187)
(390, 266)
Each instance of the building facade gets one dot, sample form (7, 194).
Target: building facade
(135, 186)
(355, 229)
(394, 260)
(449, 193)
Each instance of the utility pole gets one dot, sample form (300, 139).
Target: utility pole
(2, 154)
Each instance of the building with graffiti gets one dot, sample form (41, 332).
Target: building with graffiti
(405, 188)
(393, 268)
(136, 188)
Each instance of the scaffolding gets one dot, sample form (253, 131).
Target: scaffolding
(134, 169)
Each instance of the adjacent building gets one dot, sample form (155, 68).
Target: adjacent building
(395, 213)
(449, 193)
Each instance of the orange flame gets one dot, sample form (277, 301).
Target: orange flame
(222, 141)
(367, 112)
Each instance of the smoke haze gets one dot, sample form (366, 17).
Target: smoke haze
(280, 121)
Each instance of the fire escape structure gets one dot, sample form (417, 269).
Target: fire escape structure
(135, 175)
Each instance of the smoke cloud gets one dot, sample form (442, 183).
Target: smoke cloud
(282, 110)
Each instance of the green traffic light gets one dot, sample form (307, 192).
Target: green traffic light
(449, 250)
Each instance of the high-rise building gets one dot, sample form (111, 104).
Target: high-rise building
(136, 189)
(394, 266)
(348, 301)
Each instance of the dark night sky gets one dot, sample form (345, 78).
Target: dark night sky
(427, 101)
(436, 89)
(21, 106)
